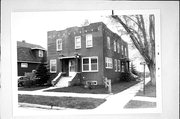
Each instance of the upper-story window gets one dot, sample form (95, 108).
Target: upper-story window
(89, 40)
(125, 51)
(90, 64)
(40, 53)
(122, 50)
(108, 62)
(77, 42)
(59, 44)
(118, 48)
(108, 43)
(114, 46)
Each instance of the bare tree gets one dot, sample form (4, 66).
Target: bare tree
(142, 33)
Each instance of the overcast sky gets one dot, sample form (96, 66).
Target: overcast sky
(33, 26)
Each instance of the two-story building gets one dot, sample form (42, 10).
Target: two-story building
(92, 51)
(29, 57)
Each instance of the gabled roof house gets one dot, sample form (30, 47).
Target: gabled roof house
(28, 56)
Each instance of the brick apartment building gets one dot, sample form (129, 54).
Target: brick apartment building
(87, 53)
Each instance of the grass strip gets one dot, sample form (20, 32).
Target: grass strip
(67, 102)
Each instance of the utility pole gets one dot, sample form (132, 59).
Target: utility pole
(144, 63)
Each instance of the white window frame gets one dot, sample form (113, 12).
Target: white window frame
(76, 44)
(109, 63)
(55, 63)
(118, 48)
(59, 44)
(115, 49)
(119, 65)
(115, 64)
(40, 53)
(122, 50)
(90, 70)
(125, 51)
(108, 42)
(89, 39)
(24, 65)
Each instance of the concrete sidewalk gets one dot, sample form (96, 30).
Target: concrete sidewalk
(118, 101)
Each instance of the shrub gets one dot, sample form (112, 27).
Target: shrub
(29, 83)
(42, 73)
(126, 76)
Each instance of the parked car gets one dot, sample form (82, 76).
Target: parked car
(22, 80)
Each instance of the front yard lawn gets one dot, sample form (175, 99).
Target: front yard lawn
(67, 102)
(116, 88)
(33, 88)
(140, 104)
(150, 91)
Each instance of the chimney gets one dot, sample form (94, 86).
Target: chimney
(23, 41)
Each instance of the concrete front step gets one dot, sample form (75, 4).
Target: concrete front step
(64, 82)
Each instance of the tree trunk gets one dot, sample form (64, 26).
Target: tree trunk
(152, 70)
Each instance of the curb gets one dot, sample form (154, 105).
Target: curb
(41, 106)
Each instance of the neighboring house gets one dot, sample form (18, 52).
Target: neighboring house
(92, 51)
(28, 57)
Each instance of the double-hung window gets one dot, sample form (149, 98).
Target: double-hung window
(119, 65)
(53, 66)
(108, 43)
(77, 42)
(59, 44)
(122, 50)
(115, 64)
(90, 64)
(114, 46)
(125, 52)
(108, 63)
(89, 40)
(118, 48)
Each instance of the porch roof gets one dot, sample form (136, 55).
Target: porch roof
(125, 59)
(68, 57)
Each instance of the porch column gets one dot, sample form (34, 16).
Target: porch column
(60, 62)
(76, 65)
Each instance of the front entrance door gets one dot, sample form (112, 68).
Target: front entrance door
(71, 67)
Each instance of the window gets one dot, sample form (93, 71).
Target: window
(89, 40)
(108, 43)
(119, 65)
(59, 44)
(118, 48)
(24, 65)
(122, 50)
(114, 46)
(125, 51)
(53, 66)
(40, 53)
(89, 64)
(115, 64)
(122, 67)
(108, 62)
(77, 42)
